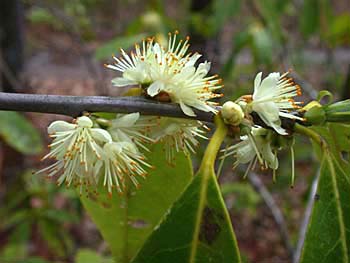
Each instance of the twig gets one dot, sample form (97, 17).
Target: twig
(76, 105)
(346, 86)
(276, 212)
(306, 219)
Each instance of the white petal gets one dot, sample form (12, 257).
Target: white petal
(127, 120)
(155, 88)
(193, 59)
(97, 168)
(186, 72)
(269, 113)
(187, 110)
(245, 152)
(138, 75)
(129, 146)
(203, 68)
(257, 81)
(267, 86)
(60, 126)
(84, 122)
(101, 135)
(268, 155)
(121, 82)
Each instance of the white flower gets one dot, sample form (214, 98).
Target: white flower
(119, 162)
(178, 135)
(132, 128)
(172, 71)
(136, 67)
(76, 147)
(273, 97)
(175, 73)
(252, 148)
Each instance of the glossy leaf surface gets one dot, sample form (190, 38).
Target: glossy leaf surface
(126, 221)
(198, 227)
(328, 235)
(19, 133)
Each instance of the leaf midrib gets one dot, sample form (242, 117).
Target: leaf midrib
(206, 170)
(343, 238)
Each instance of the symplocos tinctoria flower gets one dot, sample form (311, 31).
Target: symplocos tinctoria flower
(178, 135)
(118, 161)
(76, 147)
(170, 71)
(273, 98)
(253, 148)
(85, 154)
(133, 128)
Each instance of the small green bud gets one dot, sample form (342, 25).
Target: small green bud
(232, 113)
(103, 122)
(315, 115)
(338, 112)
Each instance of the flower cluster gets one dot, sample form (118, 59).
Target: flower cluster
(178, 135)
(273, 98)
(88, 155)
(83, 153)
(169, 70)
(90, 151)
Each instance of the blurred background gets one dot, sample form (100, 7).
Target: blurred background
(59, 47)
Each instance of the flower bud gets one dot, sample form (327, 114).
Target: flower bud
(84, 122)
(232, 113)
(315, 115)
(338, 112)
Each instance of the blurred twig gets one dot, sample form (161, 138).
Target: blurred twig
(11, 78)
(306, 219)
(346, 87)
(259, 186)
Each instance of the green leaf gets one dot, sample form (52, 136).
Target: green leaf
(262, 44)
(51, 234)
(21, 233)
(310, 17)
(113, 46)
(19, 133)
(328, 234)
(126, 221)
(38, 15)
(60, 216)
(16, 217)
(339, 31)
(223, 10)
(240, 40)
(245, 197)
(14, 252)
(271, 12)
(89, 256)
(198, 227)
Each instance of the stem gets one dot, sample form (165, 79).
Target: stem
(206, 170)
(311, 134)
(214, 145)
(75, 105)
